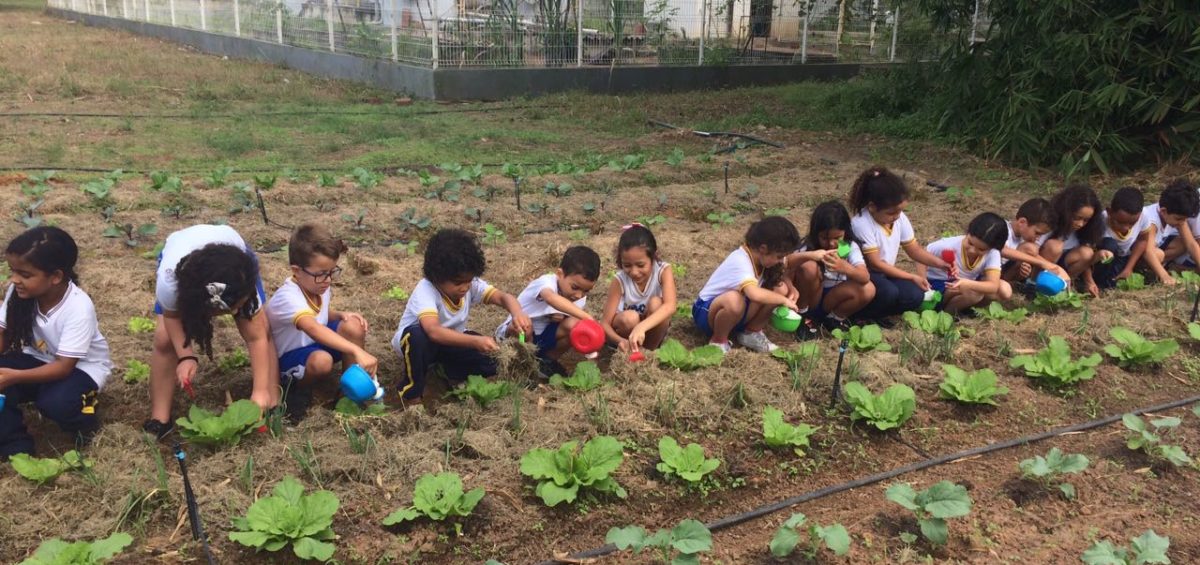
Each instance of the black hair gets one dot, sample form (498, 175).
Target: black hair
(779, 236)
(1068, 201)
(1180, 197)
(1038, 211)
(215, 263)
(831, 215)
(581, 260)
(637, 236)
(1128, 199)
(453, 253)
(879, 186)
(48, 249)
(989, 228)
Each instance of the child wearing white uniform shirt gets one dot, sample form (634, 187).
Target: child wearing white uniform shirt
(641, 298)
(433, 328)
(1077, 232)
(1126, 237)
(52, 351)
(555, 303)
(831, 287)
(309, 334)
(974, 276)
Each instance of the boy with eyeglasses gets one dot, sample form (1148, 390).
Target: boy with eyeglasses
(308, 332)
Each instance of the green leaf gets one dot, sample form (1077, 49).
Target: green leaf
(1104, 553)
(1135, 350)
(978, 387)
(904, 495)
(1054, 367)
(1068, 490)
(945, 500)
(886, 411)
(627, 537)
(864, 338)
(687, 463)
(690, 536)
(784, 542)
(1151, 548)
(205, 428)
(482, 391)
(309, 548)
(835, 536)
(289, 516)
(674, 354)
(55, 551)
(561, 473)
(586, 377)
(935, 530)
(401, 515)
(777, 433)
(1193, 329)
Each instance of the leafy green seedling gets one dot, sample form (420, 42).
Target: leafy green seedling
(1150, 442)
(787, 537)
(1146, 548)
(290, 517)
(365, 178)
(558, 190)
(863, 338)
(202, 427)
(1049, 470)
(933, 506)
(45, 470)
(218, 177)
(651, 221)
(55, 551)
(675, 157)
(237, 359)
(357, 221)
(99, 191)
(689, 538)
(1065, 300)
(931, 322)
(351, 409)
(327, 180)
(800, 361)
(409, 219)
(586, 377)
(718, 219)
(427, 179)
(265, 181)
(1135, 351)
(396, 293)
(129, 233)
(437, 497)
(628, 162)
(563, 472)
(1054, 367)
(674, 354)
(481, 390)
(888, 410)
(136, 371)
(1135, 281)
(687, 463)
(588, 208)
(1193, 329)
(978, 387)
(141, 324)
(493, 235)
(996, 311)
(780, 434)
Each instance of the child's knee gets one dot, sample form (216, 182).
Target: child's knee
(1084, 254)
(653, 305)
(162, 342)
(352, 329)
(1028, 248)
(732, 302)
(866, 292)
(1005, 291)
(319, 365)
(625, 321)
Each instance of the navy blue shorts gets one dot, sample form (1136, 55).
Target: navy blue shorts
(547, 340)
(700, 316)
(291, 364)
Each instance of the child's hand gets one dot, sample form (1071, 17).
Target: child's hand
(623, 346)
(1024, 270)
(367, 361)
(356, 317)
(636, 338)
(1059, 272)
(487, 344)
(1123, 274)
(921, 282)
(523, 324)
(264, 399)
(185, 372)
(791, 304)
(1105, 256)
(1091, 288)
(1168, 280)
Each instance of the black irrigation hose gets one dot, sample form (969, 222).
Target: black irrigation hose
(761, 511)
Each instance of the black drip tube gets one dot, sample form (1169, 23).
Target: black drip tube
(761, 511)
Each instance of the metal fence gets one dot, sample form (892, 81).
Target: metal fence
(556, 33)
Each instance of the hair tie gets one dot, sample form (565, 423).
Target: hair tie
(215, 289)
(626, 227)
(876, 173)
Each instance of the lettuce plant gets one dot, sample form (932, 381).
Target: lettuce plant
(227, 429)
(141, 325)
(1146, 548)
(687, 463)
(939, 324)
(563, 472)
(437, 497)
(1135, 281)
(1134, 350)
(290, 517)
(586, 377)
(1150, 441)
(863, 338)
(55, 551)
(351, 409)
(1054, 366)
(45, 470)
(888, 410)
(136, 371)
(978, 387)
(779, 434)
(933, 506)
(483, 391)
(674, 354)
(690, 538)
(996, 311)
(1065, 300)
(787, 537)
(1050, 469)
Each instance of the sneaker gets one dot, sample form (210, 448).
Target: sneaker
(725, 347)
(809, 329)
(160, 430)
(296, 401)
(830, 323)
(756, 341)
(549, 367)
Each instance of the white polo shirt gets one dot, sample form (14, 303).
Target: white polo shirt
(1161, 230)
(881, 239)
(736, 272)
(179, 245)
(990, 261)
(427, 301)
(1125, 242)
(833, 278)
(69, 329)
(287, 307)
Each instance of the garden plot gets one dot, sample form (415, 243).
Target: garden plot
(374, 463)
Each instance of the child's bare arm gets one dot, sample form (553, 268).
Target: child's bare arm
(922, 256)
(452, 338)
(1039, 262)
(768, 297)
(327, 337)
(877, 264)
(558, 302)
(1135, 253)
(1152, 259)
(667, 280)
(610, 312)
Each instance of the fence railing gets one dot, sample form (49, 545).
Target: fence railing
(554, 33)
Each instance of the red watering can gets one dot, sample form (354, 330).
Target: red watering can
(587, 337)
(948, 256)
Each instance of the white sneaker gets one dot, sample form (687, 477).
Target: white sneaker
(725, 347)
(756, 341)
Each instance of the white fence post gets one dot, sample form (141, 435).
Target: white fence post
(237, 19)
(974, 21)
(203, 16)
(578, 33)
(329, 24)
(395, 45)
(895, 32)
(104, 5)
(147, 3)
(279, 23)
(436, 32)
(804, 38)
(124, 9)
(703, 30)
(171, 5)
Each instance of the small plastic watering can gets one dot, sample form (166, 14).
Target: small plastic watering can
(587, 337)
(948, 256)
(932, 299)
(2, 397)
(1049, 284)
(843, 248)
(359, 386)
(785, 320)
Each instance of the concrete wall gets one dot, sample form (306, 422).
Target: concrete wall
(475, 84)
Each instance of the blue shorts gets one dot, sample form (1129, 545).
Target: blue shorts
(700, 316)
(547, 340)
(258, 284)
(291, 364)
